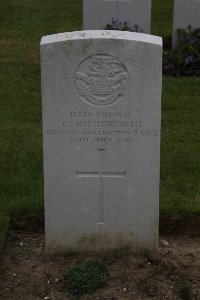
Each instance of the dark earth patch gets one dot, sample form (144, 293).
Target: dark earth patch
(27, 273)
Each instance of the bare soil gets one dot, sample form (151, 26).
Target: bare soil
(173, 272)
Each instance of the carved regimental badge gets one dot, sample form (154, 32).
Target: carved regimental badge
(101, 79)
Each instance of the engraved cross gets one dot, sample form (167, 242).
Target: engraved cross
(101, 175)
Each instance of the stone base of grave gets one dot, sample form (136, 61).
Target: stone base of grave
(104, 241)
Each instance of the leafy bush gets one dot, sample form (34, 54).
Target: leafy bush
(182, 61)
(86, 277)
(185, 59)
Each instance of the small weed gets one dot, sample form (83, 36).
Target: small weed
(86, 277)
(185, 291)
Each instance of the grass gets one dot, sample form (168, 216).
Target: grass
(22, 24)
(185, 291)
(180, 147)
(162, 16)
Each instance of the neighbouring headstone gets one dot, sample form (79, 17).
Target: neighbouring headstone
(186, 12)
(131, 14)
(101, 130)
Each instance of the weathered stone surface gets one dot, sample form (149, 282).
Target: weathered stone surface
(186, 12)
(98, 13)
(101, 129)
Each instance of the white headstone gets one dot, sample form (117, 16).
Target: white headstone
(186, 12)
(101, 128)
(98, 13)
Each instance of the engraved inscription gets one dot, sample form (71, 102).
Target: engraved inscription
(101, 174)
(101, 80)
(102, 127)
